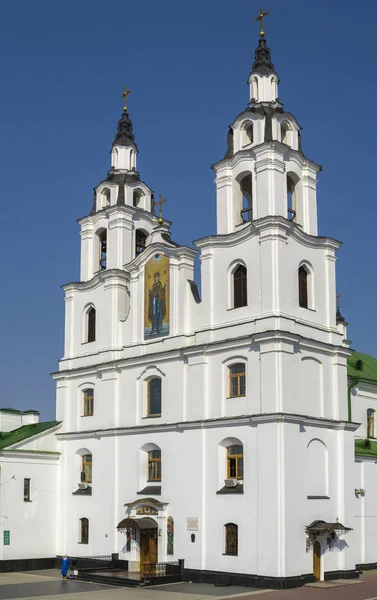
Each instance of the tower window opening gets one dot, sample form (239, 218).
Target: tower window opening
(248, 134)
(370, 423)
(91, 324)
(141, 241)
(240, 287)
(291, 198)
(284, 133)
(247, 199)
(105, 198)
(303, 286)
(103, 250)
(136, 199)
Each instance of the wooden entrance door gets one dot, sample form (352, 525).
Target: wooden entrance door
(317, 560)
(148, 551)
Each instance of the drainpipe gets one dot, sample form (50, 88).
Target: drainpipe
(354, 382)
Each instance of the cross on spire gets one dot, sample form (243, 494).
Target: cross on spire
(160, 202)
(124, 95)
(338, 298)
(260, 18)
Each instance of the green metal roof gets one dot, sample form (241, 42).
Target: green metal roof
(9, 438)
(363, 367)
(365, 448)
(14, 411)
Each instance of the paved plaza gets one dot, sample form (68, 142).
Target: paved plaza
(48, 585)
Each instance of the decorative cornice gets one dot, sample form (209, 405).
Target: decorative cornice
(244, 420)
(168, 249)
(277, 226)
(102, 277)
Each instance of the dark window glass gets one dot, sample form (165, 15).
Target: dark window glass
(91, 324)
(240, 286)
(237, 380)
(303, 287)
(26, 490)
(141, 241)
(231, 539)
(154, 397)
(154, 465)
(103, 251)
(84, 530)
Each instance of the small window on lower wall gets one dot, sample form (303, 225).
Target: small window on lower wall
(84, 531)
(231, 539)
(88, 403)
(26, 490)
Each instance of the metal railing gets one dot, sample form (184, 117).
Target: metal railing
(160, 569)
(93, 563)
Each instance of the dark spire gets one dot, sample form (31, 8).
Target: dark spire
(263, 64)
(124, 135)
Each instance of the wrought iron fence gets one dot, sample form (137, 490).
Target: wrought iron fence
(93, 563)
(160, 569)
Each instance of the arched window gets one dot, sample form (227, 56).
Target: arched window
(284, 133)
(91, 324)
(234, 459)
(154, 465)
(141, 241)
(136, 198)
(231, 539)
(86, 468)
(303, 275)
(84, 531)
(316, 472)
(154, 397)
(370, 423)
(240, 287)
(88, 396)
(246, 187)
(291, 198)
(237, 380)
(248, 134)
(103, 250)
(105, 197)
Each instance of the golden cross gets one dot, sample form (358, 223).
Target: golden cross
(124, 95)
(339, 297)
(160, 203)
(262, 14)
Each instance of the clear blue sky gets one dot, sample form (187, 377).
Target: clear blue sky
(63, 67)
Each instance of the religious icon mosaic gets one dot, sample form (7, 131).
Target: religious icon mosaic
(170, 536)
(156, 297)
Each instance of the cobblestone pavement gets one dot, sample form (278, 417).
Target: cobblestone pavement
(39, 585)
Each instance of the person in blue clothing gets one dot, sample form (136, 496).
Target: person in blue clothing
(65, 565)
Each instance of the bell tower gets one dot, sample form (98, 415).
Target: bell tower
(264, 171)
(119, 225)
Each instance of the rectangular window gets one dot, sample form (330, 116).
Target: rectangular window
(86, 471)
(154, 397)
(231, 539)
(235, 462)
(154, 465)
(88, 403)
(237, 380)
(26, 490)
(84, 531)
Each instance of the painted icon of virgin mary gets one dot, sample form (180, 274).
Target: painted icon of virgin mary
(157, 304)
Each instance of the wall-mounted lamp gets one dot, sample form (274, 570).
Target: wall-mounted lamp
(193, 537)
(159, 533)
(360, 492)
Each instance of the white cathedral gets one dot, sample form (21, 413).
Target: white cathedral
(232, 431)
